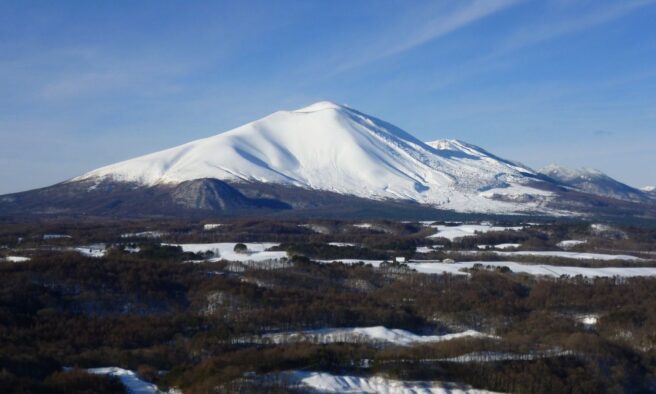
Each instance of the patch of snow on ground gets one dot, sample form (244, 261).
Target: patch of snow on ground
(316, 228)
(96, 250)
(225, 251)
(466, 230)
(341, 244)
(129, 379)
(327, 383)
(375, 263)
(378, 334)
(362, 225)
(570, 243)
(588, 320)
(424, 249)
(16, 259)
(507, 246)
(211, 226)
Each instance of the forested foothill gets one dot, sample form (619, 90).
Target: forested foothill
(186, 319)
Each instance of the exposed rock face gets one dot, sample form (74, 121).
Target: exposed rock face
(216, 195)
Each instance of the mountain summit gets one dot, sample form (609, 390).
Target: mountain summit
(330, 147)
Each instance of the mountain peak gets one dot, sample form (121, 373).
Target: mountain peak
(320, 106)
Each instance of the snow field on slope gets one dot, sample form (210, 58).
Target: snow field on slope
(378, 334)
(322, 382)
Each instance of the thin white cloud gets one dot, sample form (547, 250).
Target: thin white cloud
(538, 33)
(415, 34)
(581, 20)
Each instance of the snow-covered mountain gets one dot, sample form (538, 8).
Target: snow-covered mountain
(331, 147)
(594, 182)
(325, 160)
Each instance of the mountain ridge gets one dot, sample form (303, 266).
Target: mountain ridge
(594, 181)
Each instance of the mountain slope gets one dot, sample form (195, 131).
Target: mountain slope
(334, 148)
(594, 182)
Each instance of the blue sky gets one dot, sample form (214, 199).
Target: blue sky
(89, 83)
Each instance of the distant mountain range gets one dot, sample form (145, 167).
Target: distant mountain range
(595, 182)
(330, 158)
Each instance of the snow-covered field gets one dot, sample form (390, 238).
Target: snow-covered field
(130, 380)
(378, 334)
(435, 267)
(566, 255)
(573, 255)
(225, 251)
(466, 230)
(322, 382)
(534, 269)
